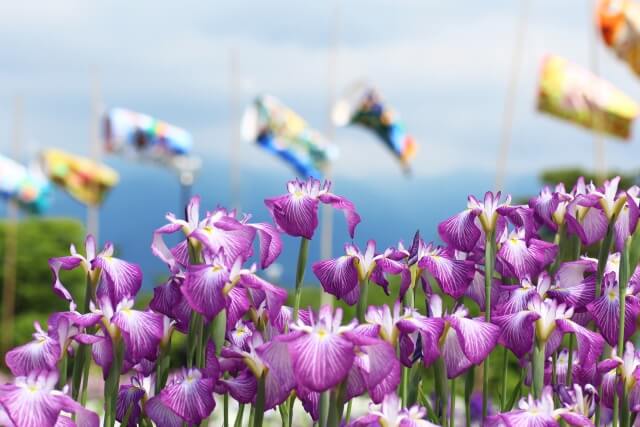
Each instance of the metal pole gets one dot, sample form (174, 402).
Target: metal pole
(93, 211)
(510, 100)
(599, 160)
(326, 236)
(236, 143)
(186, 182)
(11, 243)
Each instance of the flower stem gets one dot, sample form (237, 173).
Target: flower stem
(333, 419)
(623, 276)
(452, 399)
(111, 386)
(162, 367)
(259, 405)
(570, 360)
(323, 409)
(348, 414)
(361, 307)
(489, 259)
(538, 368)
(225, 403)
(239, 416)
(62, 380)
(505, 368)
(603, 255)
(404, 386)
(303, 254)
(468, 389)
(440, 378)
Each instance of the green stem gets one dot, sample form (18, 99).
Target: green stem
(623, 275)
(505, 368)
(440, 377)
(560, 241)
(225, 402)
(81, 357)
(452, 414)
(219, 330)
(259, 405)
(252, 415)
(468, 389)
(192, 336)
(538, 368)
(361, 308)
(162, 368)
(489, 259)
(333, 419)
(239, 416)
(62, 380)
(111, 386)
(603, 255)
(85, 376)
(323, 410)
(569, 380)
(348, 414)
(625, 413)
(404, 386)
(303, 254)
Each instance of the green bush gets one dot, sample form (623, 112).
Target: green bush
(38, 240)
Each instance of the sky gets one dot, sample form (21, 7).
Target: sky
(443, 66)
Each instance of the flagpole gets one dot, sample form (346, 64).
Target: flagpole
(510, 99)
(235, 142)
(599, 160)
(326, 236)
(93, 211)
(11, 242)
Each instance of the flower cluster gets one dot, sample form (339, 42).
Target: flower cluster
(509, 279)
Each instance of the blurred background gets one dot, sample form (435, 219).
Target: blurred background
(462, 77)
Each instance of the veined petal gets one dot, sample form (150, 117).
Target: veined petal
(337, 276)
(41, 354)
(321, 360)
(460, 231)
(605, 311)
(270, 243)
(591, 227)
(280, 378)
(142, 332)
(296, 215)
(203, 289)
(238, 305)
(517, 331)
(229, 235)
(455, 359)
(454, 276)
(63, 263)
(159, 247)
(123, 279)
(102, 353)
(29, 402)
(477, 337)
(310, 401)
(346, 206)
(273, 295)
(626, 222)
(590, 344)
(161, 414)
(166, 297)
(522, 418)
(242, 387)
(190, 396)
(387, 385)
(525, 260)
(129, 397)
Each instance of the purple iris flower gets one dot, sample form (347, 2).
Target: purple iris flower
(454, 274)
(33, 401)
(296, 213)
(114, 277)
(621, 371)
(391, 414)
(142, 332)
(606, 310)
(342, 276)
(323, 352)
(550, 207)
(541, 413)
(520, 258)
(462, 231)
(218, 230)
(516, 298)
(270, 359)
(575, 283)
(42, 353)
(189, 395)
(131, 396)
(465, 341)
(627, 219)
(401, 329)
(547, 321)
(585, 216)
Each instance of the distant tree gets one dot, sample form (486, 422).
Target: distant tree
(38, 240)
(569, 176)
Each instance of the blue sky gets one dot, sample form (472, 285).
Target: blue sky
(444, 66)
